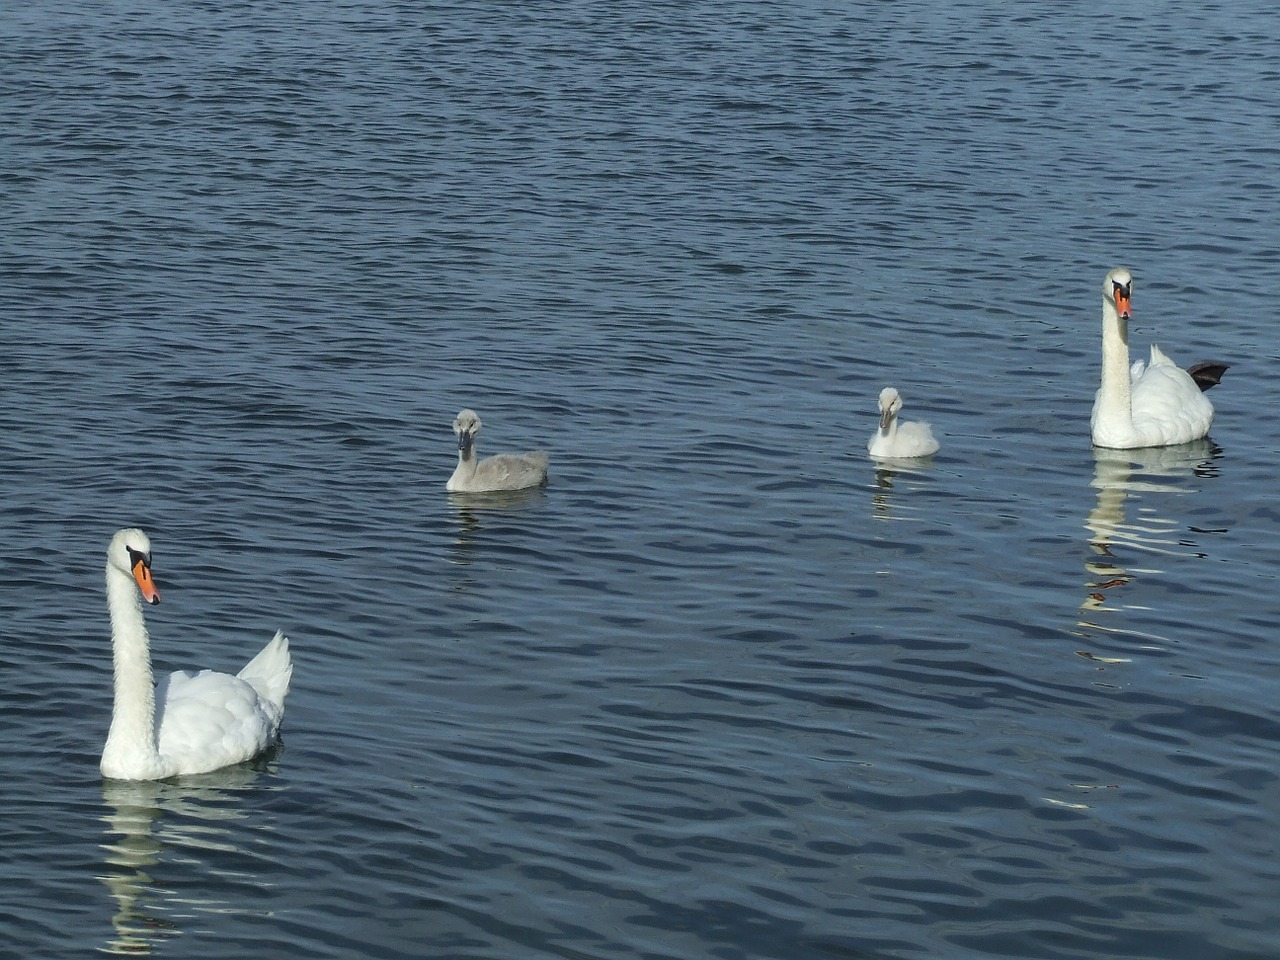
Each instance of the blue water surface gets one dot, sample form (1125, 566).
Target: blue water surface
(725, 687)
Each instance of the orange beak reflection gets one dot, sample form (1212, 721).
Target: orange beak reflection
(142, 573)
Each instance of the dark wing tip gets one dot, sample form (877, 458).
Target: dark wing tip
(1207, 373)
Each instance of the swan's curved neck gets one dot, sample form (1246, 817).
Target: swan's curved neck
(467, 461)
(131, 743)
(1114, 398)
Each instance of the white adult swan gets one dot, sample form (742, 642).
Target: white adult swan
(192, 722)
(896, 440)
(505, 471)
(1152, 404)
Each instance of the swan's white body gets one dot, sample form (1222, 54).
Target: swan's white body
(192, 722)
(895, 440)
(505, 471)
(1151, 404)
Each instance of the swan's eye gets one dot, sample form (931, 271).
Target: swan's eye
(1121, 290)
(136, 557)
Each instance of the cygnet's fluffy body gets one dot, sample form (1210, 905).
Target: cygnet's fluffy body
(504, 471)
(895, 440)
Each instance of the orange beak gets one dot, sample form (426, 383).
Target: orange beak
(142, 573)
(1122, 304)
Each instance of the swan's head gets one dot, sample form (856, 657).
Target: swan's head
(1117, 288)
(130, 553)
(466, 425)
(890, 404)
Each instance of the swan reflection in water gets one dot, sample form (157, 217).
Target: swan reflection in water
(910, 474)
(471, 509)
(1122, 476)
(154, 824)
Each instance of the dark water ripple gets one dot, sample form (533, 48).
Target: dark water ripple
(724, 688)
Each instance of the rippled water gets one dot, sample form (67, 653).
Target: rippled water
(724, 688)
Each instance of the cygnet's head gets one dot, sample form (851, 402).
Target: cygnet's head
(890, 404)
(1118, 288)
(130, 553)
(466, 425)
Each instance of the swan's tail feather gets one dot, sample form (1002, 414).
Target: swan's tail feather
(1207, 373)
(270, 670)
